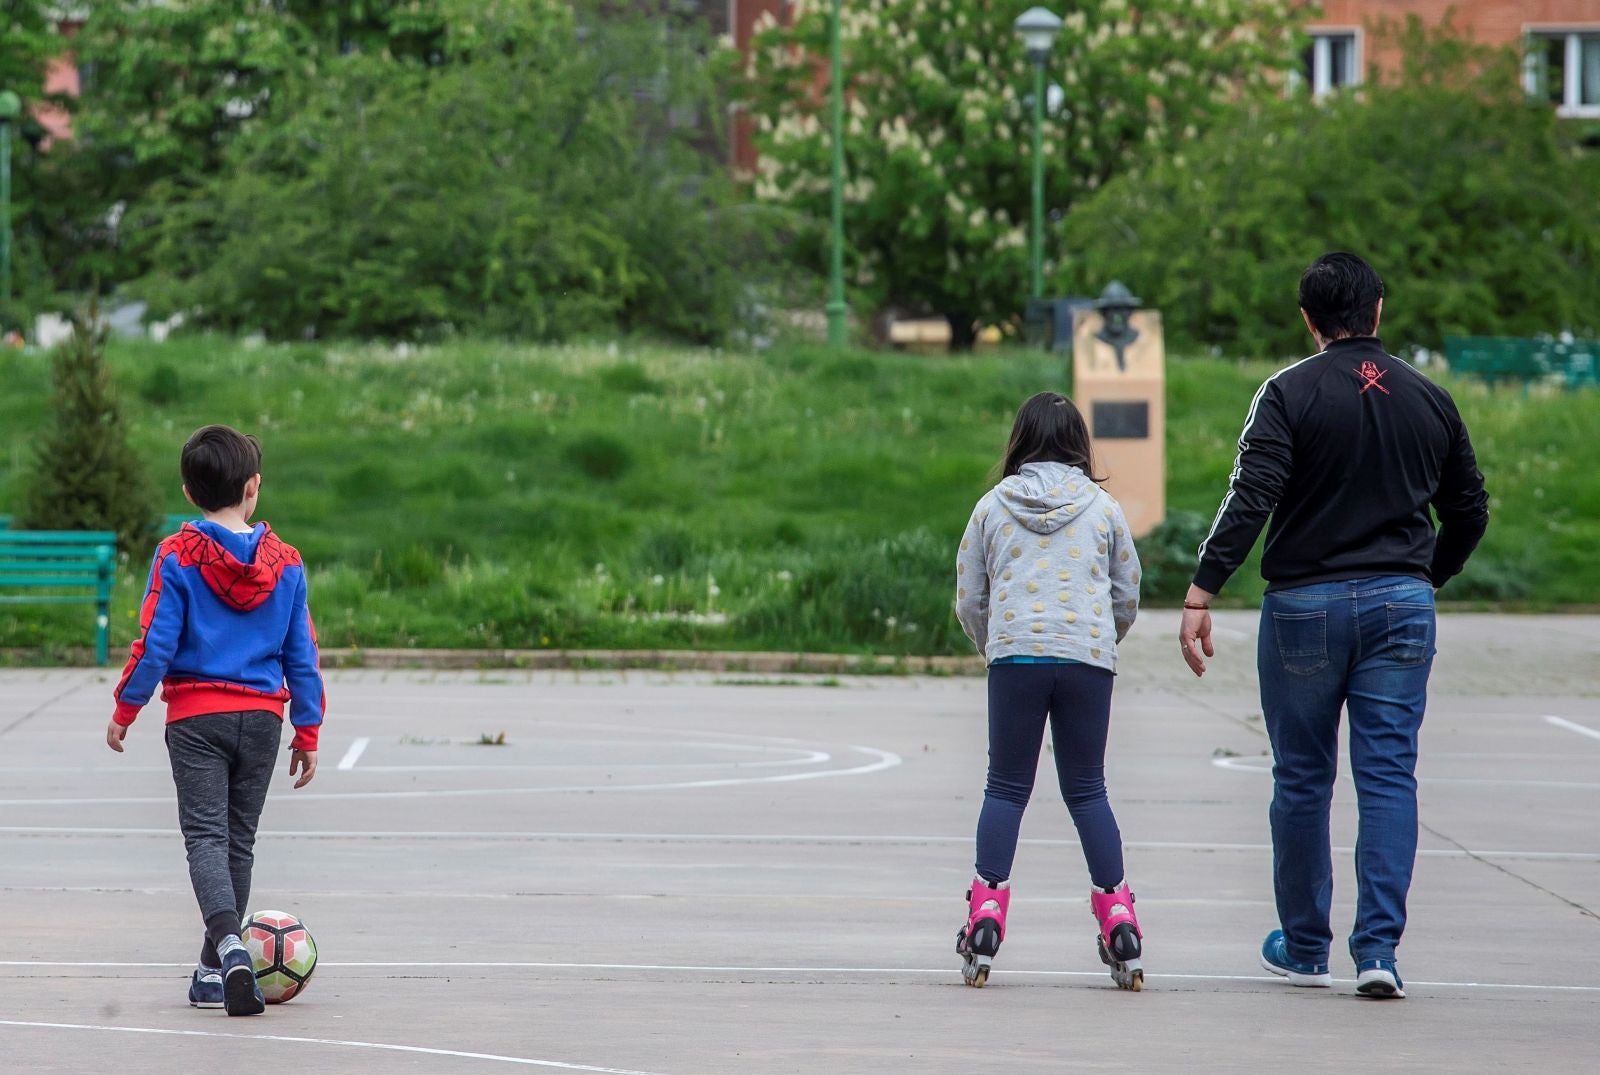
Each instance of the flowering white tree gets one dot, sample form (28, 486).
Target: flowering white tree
(938, 136)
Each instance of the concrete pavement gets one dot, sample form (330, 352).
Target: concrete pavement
(697, 873)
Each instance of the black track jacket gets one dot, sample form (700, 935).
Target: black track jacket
(1346, 450)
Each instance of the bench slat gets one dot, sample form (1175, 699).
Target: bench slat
(49, 599)
(57, 537)
(40, 548)
(87, 555)
(56, 578)
(55, 560)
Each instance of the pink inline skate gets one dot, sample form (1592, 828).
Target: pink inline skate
(979, 940)
(1119, 935)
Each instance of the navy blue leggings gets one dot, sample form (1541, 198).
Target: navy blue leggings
(1077, 700)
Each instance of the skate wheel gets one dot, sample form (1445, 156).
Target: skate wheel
(980, 977)
(1129, 976)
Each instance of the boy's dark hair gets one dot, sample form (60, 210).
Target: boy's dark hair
(1340, 293)
(1049, 429)
(217, 461)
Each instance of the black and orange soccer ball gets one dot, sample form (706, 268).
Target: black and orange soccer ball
(283, 952)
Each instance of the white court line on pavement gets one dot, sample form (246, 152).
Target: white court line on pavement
(800, 757)
(754, 838)
(1263, 765)
(1573, 726)
(733, 969)
(353, 755)
(383, 1046)
(630, 897)
(885, 760)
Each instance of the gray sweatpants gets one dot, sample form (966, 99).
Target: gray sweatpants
(222, 764)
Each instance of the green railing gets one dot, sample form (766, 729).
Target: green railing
(49, 564)
(1574, 364)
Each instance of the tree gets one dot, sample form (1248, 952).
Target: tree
(527, 167)
(938, 195)
(169, 88)
(85, 475)
(1469, 199)
(29, 41)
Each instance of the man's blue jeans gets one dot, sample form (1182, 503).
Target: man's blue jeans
(1367, 645)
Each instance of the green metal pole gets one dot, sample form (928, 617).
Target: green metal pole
(838, 312)
(1036, 255)
(5, 215)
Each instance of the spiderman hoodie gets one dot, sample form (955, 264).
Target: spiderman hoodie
(224, 628)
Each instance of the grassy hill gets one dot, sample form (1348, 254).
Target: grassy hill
(482, 494)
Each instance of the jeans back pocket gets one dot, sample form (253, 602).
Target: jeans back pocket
(1411, 627)
(1302, 641)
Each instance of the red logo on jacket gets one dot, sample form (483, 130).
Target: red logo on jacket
(1370, 375)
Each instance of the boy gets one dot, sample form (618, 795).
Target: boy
(226, 634)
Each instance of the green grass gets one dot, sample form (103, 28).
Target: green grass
(492, 495)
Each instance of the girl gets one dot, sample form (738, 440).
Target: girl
(1047, 584)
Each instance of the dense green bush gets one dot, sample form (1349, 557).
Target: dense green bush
(1168, 555)
(532, 169)
(431, 491)
(937, 130)
(600, 456)
(1470, 201)
(888, 596)
(85, 475)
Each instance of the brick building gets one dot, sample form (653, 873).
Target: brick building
(1563, 38)
(741, 22)
(1563, 63)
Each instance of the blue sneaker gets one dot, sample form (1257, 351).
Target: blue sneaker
(1275, 958)
(205, 987)
(241, 995)
(1378, 978)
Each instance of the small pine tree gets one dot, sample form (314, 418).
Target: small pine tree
(85, 476)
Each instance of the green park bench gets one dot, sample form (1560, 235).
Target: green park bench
(48, 562)
(170, 524)
(1501, 358)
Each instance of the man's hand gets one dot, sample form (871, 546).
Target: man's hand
(1194, 635)
(114, 735)
(305, 760)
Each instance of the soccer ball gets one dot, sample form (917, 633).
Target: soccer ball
(283, 952)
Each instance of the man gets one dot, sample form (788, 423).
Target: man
(1345, 451)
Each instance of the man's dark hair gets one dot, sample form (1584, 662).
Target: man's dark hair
(1340, 293)
(217, 461)
(1049, 429)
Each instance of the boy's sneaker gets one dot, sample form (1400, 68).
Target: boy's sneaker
(205, 987)
(1275, 958)
(1378, 978)
(241, 995)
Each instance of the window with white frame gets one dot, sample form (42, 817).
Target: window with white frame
(1332, 60)
(1563, 67)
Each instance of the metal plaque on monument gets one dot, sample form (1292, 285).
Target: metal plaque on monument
(1119, 383)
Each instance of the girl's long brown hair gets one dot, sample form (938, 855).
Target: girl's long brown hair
(1049, 429)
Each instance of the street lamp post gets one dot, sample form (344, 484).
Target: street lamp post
(838, 312)
(1038, 28)
(10, 109)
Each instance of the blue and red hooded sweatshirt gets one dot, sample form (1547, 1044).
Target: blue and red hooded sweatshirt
(224, 629)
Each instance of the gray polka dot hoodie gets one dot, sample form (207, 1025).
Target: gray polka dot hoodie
(1047, 569)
